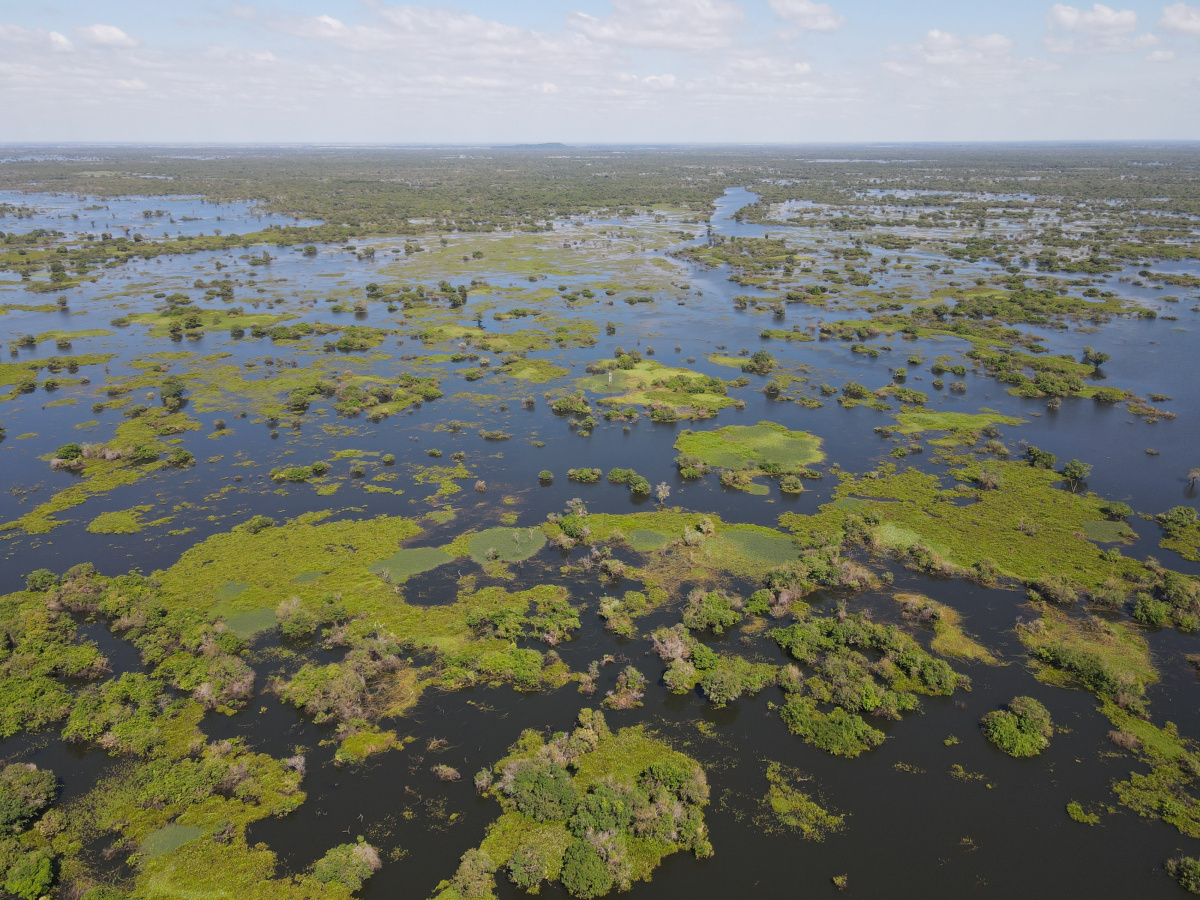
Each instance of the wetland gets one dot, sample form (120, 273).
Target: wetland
(763, 519)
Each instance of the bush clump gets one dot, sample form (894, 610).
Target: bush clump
(1023, 729)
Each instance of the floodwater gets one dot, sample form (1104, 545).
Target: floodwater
(911, 833)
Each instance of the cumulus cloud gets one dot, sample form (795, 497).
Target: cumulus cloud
(1100, 29)
(807, 15)
(105, 36)
(1161, 56)
(1099, 20)
(1181, 18)
(686, 25)
(15, 34)
(950, 60)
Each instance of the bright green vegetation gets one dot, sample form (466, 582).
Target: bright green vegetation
(678, 546)
(668, 393)
(27, 857)
(1021, 528)
(1181, 532)
(916, 421)
(126, 521)
(592, 810)
(405, 563)
(845, 678)
(1081, 815)
(721, 677)
(949, 638)
(535, 371)
(788, 807)
(505, 544)
(1109, 658)
(1023, 728)
(1108, 532)
(767, 448)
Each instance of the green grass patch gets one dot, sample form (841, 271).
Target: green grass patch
(406, 563)
(505, 544)
(168, 838)
(738, 446)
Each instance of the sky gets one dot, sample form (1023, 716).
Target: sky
(597, 71)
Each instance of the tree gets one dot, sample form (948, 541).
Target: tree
(1040, 459)
(25, 790)
(1193, 477)
(1095, 357)
(662, 492)
(1076, 472)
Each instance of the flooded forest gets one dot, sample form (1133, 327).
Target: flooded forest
(475, 522)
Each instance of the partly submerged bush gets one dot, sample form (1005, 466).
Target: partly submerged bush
(1023, 729)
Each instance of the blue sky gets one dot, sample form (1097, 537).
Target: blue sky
(597, 71)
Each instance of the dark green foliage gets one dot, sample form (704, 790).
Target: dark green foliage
(1023, 729)
(761, 363)
(25, 790)
(1076, 472)
(69, 452)
(1186, 871)
(584, 872)
(1151, 611)
(1040, 459)
(30, 875)
(844, 676)
(41, 580)
(712, 610)
(838, 732)
(543, 791)
(1176, 521)
(1115, 510)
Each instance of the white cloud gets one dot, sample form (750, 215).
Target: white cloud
(687, 25)
(764, 67)
(807, 15)
(1101, 29)
(1161, 56)
(952, 61)
(15, 34)
(105, 36)
(1100, 20)
(1181, 18)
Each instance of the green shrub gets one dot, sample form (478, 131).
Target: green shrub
(25, 790)
(545, 476)
(69, 451)
(838, 732)
(31, 876)
(1040, 459)
(584, 873)
(543, 791)
(1023, 729)
(41, 580)
(349, 865)
(1150, 611)
(712, 610)
(1186, 871)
